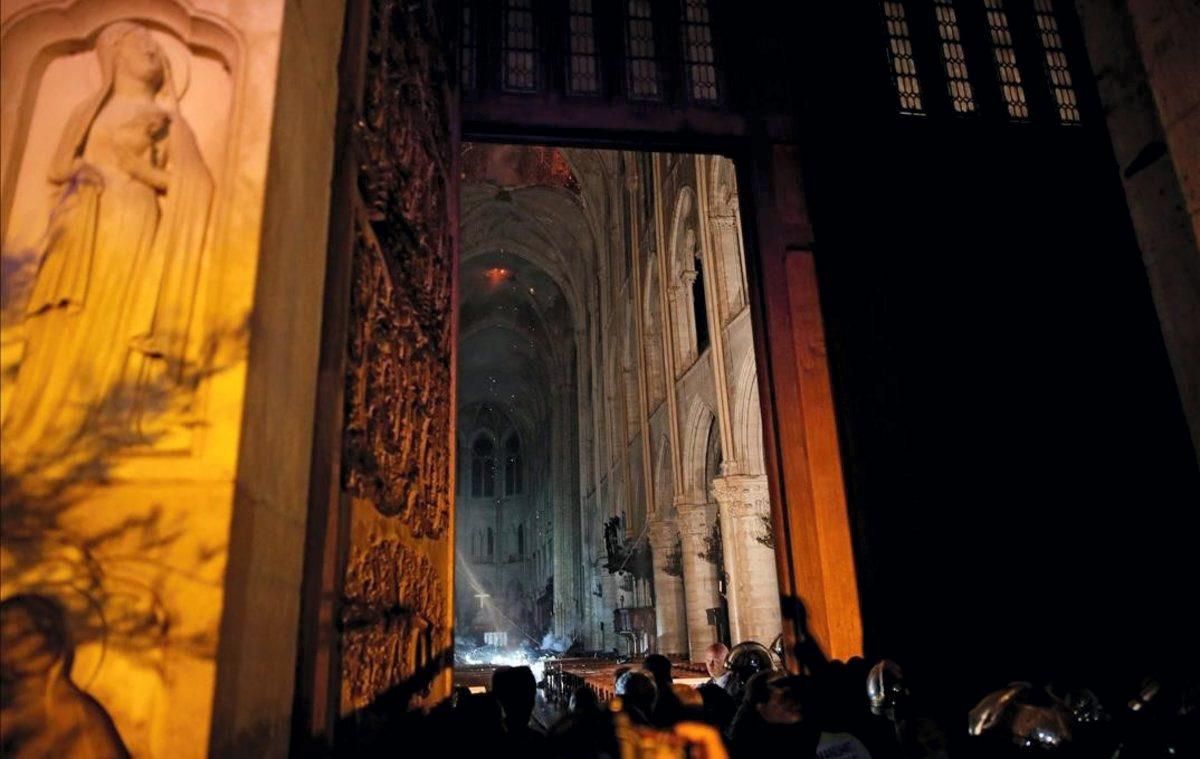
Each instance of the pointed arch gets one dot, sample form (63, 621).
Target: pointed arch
(686, 286)
(652, 334)
(514, 465)
(724, 220)
(697, 431)
(747, 419)
(629, 373)
(664, 478)
(483, 465)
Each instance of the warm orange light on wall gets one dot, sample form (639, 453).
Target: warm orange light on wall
(498, 274)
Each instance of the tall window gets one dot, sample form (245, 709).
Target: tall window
(483, 469)
(962, 96)
(519, 49)
(1058, 73)
(900, 55)
(641, 60)
(700, 304)
(699, 62)
(513, 474)
(491, 543)
(1005, 58)
(469, 45)
(583, 64)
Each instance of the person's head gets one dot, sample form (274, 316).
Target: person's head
(785, 696)
(35, 643)
(638, 693)
(719, 706)
(516, 688)
(659, 668)
(757, 687)
(583, 701)
(886, 691)
(691, 703)
(479, 716)
(745, 660)
(618, 672)
(714, 659)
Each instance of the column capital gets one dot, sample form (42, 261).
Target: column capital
(695, 518)
(724, 221)
(743, 494)
(663, 533)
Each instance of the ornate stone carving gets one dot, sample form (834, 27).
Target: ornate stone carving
(695, 519)
(663, 534)
(743, 495)
(726, 222)
(110, 309)
(392, 631)
(397, 435)
(397, 404)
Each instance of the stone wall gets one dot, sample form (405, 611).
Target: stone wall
(134, 155)
(1147, 62)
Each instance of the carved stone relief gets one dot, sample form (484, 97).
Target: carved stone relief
(398, 398)
(397, 432)
(392, 621)
(103, 246)
(120, 124)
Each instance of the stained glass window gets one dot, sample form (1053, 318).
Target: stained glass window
(641, 58)
(900, 53)
(583, 66)
(954, 58)
(1005, 57)
(699, 61)
(519, 49)
(1058, 73)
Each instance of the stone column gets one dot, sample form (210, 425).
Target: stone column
(728, 257)
(696, 522)
(670, 606)
(753, 586)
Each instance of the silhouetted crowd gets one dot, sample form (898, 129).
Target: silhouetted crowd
(750, 707)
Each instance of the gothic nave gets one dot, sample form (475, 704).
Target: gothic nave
(596, 502)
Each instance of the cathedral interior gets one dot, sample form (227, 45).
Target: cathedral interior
(587, 389)
(594, 379)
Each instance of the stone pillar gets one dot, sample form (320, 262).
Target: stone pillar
(567, 557)
(728, 256)
(752, 585)
(696, 522)
(670, 606)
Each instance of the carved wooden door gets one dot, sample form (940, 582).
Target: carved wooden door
(376, 631)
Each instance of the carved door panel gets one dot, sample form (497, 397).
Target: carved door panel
(376, 632)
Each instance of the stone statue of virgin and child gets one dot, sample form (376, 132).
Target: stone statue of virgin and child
(109, 314)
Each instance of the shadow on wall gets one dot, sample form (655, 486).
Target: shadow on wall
(80, 574)
(44, 712)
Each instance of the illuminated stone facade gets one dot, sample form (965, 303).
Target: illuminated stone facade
(135, 146)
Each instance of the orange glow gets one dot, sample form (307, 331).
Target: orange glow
(498, 274)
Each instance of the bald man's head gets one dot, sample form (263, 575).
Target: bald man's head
(714, 659)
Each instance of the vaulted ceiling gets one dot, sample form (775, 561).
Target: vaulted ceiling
(529, 250)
